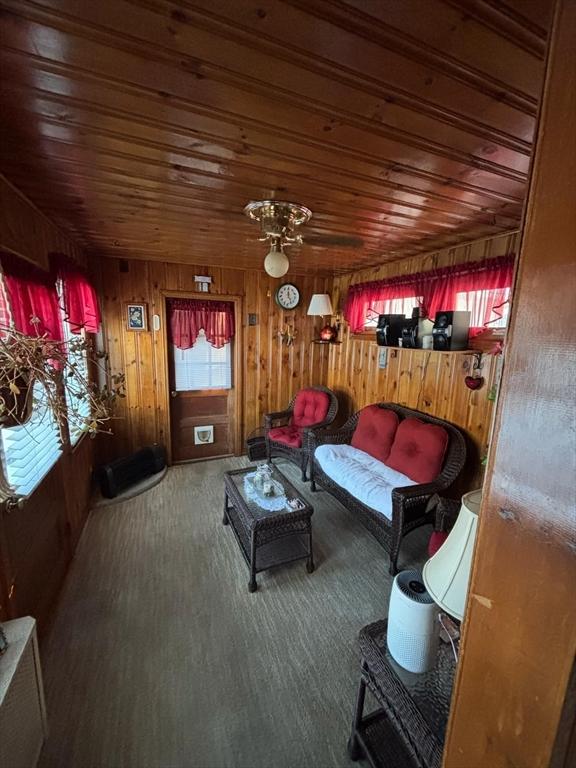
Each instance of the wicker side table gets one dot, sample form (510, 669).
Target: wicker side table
(409, 728)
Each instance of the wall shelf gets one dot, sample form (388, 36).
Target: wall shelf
(437, 351)
(321, 341)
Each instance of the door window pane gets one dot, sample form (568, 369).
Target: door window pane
(203, 366)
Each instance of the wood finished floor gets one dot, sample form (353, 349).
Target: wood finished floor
(160, 658)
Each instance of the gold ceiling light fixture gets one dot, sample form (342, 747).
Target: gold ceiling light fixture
(279, 222)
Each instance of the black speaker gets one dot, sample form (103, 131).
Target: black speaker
(410, 332)
(450, 331)
(389, 330)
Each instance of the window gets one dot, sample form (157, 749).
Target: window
(488, 308)
(30, 450)
(390, 307)
(77, 402)
(5, 314)
(202, 366)
(480, 287)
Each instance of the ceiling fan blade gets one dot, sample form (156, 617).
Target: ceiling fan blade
(341, 241)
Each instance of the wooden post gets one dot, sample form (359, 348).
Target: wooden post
(510, 702)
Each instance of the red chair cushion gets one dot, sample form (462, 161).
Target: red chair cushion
(310, 407)
(418, 450)
(374, 433)
(437, 538)
(289, 435)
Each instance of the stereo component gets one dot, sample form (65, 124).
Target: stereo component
(450, 331)
(389, 330)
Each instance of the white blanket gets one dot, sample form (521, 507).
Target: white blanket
(364, 477)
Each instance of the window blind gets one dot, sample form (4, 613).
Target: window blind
(29, 451)
(202, 366)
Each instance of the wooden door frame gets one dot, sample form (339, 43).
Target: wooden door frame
(237, 359)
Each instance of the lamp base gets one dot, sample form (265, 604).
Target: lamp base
(329, 333)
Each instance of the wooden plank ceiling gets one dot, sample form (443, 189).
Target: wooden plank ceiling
(143, 127)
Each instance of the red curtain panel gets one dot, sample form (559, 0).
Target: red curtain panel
(187, 317)
(80, 300)
(33, 298)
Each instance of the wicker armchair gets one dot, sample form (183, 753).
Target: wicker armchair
(298, 454)
(408, 503)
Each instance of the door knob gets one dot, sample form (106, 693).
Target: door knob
(173, 393)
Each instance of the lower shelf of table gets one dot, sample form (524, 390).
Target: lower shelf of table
(381, 745)
(284, 549)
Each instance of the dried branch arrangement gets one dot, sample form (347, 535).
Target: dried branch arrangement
(66, 388)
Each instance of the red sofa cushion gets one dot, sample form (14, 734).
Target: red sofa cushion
(290, 435)
(310, 407)
(418, 450)
(374, 433)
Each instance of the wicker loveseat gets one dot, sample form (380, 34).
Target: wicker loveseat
(406, 503)
(288, 431)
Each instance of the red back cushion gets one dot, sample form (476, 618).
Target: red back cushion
(310, 407)
(374, 433)
(418, 450)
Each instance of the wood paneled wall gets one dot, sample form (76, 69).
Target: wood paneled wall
(429, 381)
(514, 699)
(271, 372)
(37, 541)
(27, 232)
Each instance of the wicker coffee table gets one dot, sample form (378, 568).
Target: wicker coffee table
(267, 537)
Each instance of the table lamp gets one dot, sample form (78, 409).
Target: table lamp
(321, 306)
(447, 573)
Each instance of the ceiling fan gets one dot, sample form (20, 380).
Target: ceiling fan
(278, 224)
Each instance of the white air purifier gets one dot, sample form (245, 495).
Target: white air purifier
(412, 623)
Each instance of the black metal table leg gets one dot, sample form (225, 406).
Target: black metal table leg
(225, 518)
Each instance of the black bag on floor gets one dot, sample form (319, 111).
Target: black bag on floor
(256, 445)
(118, 475)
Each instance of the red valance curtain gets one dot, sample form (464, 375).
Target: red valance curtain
(80, 300)
(438, 289)
(187, 317)
(33, 298)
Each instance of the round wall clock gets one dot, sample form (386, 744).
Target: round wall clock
(288, 296)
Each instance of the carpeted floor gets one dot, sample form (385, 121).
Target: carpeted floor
(159, 657)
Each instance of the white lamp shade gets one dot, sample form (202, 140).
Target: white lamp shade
(320, 304)
(276, 262)
(447, 573)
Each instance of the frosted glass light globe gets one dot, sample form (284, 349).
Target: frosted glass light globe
(276, 263)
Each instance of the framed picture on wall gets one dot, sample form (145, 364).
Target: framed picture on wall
(136, 317)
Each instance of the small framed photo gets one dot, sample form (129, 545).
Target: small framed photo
(136, 317)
